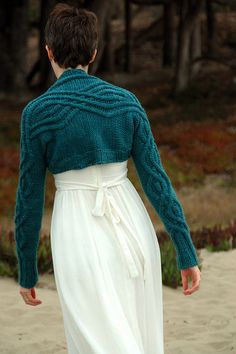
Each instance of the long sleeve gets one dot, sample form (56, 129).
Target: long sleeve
(29, 205)
(158, 188)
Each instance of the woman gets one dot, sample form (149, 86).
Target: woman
(106, 256)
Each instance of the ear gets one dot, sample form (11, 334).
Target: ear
(94, 55)
(50, 55)
(47, 49)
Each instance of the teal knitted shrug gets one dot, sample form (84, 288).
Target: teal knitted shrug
(79, 121)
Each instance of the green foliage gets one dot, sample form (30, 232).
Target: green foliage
(223, 245)
(44, 255)
(34, 11)
(8, 263)
(214, 239)
(6, 269)
(170, 273)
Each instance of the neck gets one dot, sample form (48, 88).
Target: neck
(58, 70)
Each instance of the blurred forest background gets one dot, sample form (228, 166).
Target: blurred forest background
(178, 57)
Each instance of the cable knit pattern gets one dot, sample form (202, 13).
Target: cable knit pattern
(79, 121)
(158, 188)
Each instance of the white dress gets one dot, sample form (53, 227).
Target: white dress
(107, 263)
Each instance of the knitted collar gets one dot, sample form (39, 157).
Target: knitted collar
(71, 73)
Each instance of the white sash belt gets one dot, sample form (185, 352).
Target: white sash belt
(106, 204)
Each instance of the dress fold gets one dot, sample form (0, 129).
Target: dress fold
(107, 263)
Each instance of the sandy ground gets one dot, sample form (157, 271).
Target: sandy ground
(204, 322)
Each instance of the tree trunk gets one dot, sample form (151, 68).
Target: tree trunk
(128, 36)
(42, 65)
(188, 18)
(104, 11)
(196, 49)
(169, 44)
(108, 64)
(13, 46)
(211, 29)
(182, 65)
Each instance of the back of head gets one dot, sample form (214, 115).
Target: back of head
(72, 35)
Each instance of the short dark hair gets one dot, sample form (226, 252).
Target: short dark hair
(72, 35)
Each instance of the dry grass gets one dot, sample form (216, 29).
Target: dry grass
(210, 203)
(206, 205)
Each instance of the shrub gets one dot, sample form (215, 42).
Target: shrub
(224, 245)
(8, 263)
(171, 275)
(44, 255)
(214, 239)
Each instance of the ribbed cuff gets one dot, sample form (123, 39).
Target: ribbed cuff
(186, 252)
(187, 258)
(27, 271)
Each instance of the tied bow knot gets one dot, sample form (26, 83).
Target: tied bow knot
(103, 203)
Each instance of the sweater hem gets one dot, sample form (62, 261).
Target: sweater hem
(87, 159)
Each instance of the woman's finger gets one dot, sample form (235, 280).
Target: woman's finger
(195, 275)
(32, 301)
(195, 287)
(33, 293)
(184, 282)
(29, 299)
(191, 290)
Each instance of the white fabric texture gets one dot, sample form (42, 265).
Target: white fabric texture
(107, 263)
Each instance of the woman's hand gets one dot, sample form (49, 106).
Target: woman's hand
(195, 275)
(29, 296)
